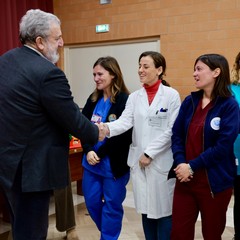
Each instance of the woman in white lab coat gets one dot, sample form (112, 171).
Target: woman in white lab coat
(151, 111)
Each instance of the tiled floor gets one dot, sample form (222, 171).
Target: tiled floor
(131, 230)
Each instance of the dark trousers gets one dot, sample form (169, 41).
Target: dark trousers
(236, 207)
(29, 212)
(193, 198)
(157, 229)
(64, 207)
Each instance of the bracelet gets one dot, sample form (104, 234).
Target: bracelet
(190, 170)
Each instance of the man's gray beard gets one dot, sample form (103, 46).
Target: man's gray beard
(53, 58)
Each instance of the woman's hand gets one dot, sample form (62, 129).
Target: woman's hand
(183, 172)
(144, 161)
(92, 158)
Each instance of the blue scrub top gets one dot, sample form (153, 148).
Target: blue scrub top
(100, 113)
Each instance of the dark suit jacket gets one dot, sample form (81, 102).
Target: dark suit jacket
(37, 113)
(115, 147)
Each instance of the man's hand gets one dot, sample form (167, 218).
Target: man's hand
(103, 130)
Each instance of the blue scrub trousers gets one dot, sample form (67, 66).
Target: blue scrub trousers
(104, 197)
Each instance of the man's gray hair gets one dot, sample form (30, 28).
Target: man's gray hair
(36, 23)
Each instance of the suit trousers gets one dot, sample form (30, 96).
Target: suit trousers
(28, 211)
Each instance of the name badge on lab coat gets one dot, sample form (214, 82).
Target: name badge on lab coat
(157, 121)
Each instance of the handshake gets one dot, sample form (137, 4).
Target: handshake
(103, 130)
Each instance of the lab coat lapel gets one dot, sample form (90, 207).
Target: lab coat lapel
(143, 99)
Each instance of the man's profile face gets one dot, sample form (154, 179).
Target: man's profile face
(52, 43)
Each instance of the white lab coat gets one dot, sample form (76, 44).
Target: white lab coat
(152, 130)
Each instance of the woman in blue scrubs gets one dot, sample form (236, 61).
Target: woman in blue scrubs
(106, 172)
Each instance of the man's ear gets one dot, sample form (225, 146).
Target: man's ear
(39, 43)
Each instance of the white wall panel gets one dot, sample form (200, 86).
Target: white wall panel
(78, 62)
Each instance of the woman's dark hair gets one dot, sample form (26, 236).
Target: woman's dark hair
(111, 65)
(213, 61)
(159, 61)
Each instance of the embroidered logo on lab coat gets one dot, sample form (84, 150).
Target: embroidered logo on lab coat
(215, 123)
(112, 117)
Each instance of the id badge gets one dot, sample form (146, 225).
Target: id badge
(154, 121)
(159, 121)
(96, 119)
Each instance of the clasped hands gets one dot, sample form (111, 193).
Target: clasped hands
(103, 130)
(183, 173)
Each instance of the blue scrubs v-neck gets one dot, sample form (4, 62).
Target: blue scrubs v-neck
(100, 113)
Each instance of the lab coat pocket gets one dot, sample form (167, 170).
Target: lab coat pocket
(159, 121)
(133, 155)
(159, 169)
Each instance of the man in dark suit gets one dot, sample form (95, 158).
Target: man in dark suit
(37, 114)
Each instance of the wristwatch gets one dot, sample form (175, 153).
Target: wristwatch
(147, 156)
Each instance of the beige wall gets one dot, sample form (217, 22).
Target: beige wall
(186, 29)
